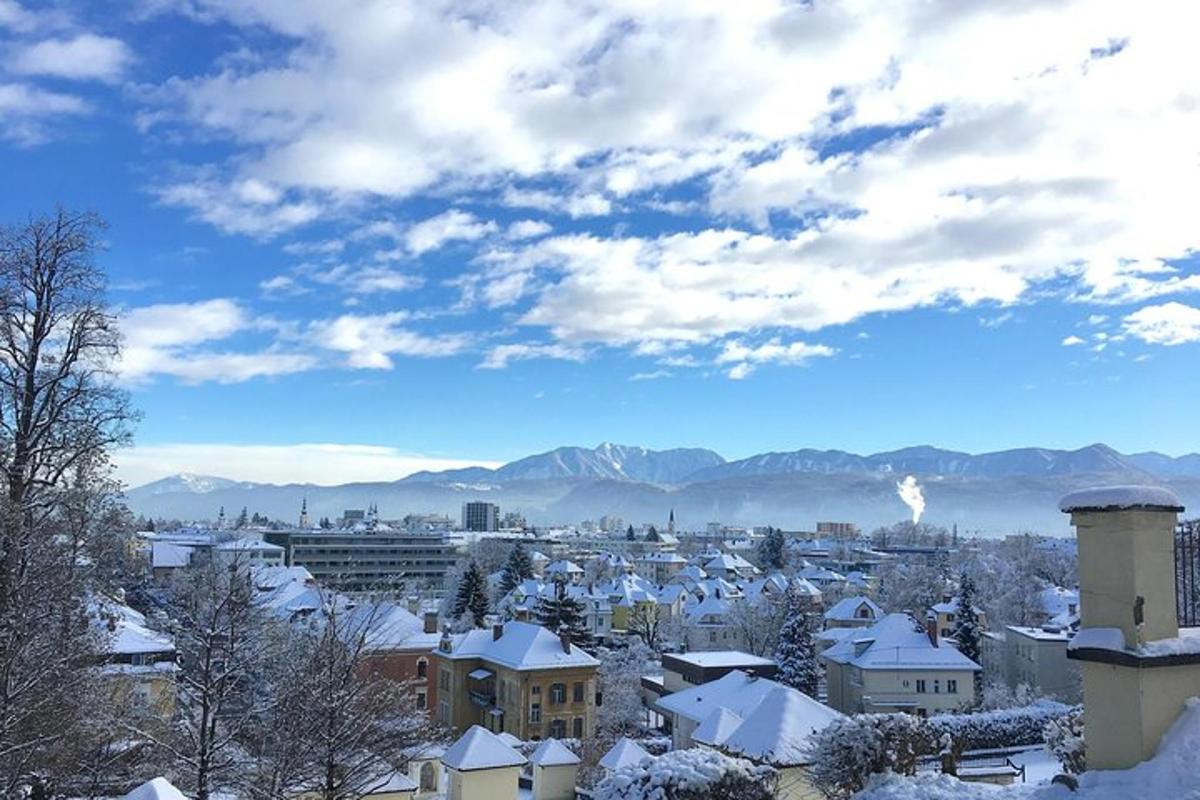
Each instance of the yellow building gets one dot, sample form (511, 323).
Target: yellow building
(480, 766)
(517, 678)
(139, 663)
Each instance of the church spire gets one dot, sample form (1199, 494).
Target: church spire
(304, 522)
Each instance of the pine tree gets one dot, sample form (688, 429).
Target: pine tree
(629, 534)
(243, 519)
(968, 633)
(471, 598)
(561, 612)
(771, 549)
(796, 651)
(517, 568)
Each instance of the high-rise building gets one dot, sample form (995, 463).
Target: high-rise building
(362, 560)
(480, 516)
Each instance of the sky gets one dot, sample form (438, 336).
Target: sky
(349, 240)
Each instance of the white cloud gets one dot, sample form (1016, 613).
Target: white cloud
(1072, 341)
(172, 338)
(1027, 152)
(500, 356)
(453, 225)
(1167, 324)
(84, 56)
(322, 463)
(26, 111)
(370, 341)
(528, 229)
(249, 207)
(651, 376)
(14, 17)
(745, 358)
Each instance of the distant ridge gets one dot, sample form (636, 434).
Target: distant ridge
(994, 492)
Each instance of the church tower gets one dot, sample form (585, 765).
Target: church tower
(671, 523)
(304, 522)
(221, 519)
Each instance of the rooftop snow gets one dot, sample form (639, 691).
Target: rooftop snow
(716, 727)
(723, 658)
(736, 691)
(156, 789)
(521, 646)
(846, 609)
(553, 753)
(1121, 498)
(778, 730)
(479, 748)
(623, 753)
(895, 642)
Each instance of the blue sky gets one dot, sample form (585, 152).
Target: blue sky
(354, 239)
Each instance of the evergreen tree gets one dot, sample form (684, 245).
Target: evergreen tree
(243, 519)
(796, 652)
(771, 549)
(968, 633)
(561, 612)
(517, 568)
(471, 599)
(629, 534)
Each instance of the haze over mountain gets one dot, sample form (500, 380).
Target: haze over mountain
(991, 492)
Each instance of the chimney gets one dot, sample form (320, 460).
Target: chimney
(931, 630)
(413, 602)
(497, 631)
(564, 636)
(431, 620)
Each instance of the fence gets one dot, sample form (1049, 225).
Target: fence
(1187, 573)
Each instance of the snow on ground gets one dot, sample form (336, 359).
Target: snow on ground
(1172, 774)
(1040, 765)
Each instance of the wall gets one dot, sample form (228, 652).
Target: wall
(482, 784)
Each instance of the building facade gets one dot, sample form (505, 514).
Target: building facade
(479, 516)
(357, 561)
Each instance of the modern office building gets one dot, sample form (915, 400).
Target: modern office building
(356, 561)
(480, 516)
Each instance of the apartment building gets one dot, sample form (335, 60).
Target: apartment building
(481, 517)
(516, 678)
(360, 560)
(1034, 657)
(896, 665)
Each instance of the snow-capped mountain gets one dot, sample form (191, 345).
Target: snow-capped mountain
(193, 484)
(608, 461)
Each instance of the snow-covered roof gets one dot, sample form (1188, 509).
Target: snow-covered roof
(846, 610)
(155, 789)
(126, 631)
(396, 782)
(664, 558)
(248, 544)
(271, 576)
(623, 753)
(1119, 498)
(522, 645)
(723, 658)
(564, 567)
(166, 555)
(714, 606)
(716, 727)
(737, 691)
(479, 748)
(777, 731)
(896, 642)
(553, 753)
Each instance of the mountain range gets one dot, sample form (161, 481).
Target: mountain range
(993, 492)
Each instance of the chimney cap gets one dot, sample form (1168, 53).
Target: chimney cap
(1121, 498)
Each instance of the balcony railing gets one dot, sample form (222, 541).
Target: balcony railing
(1187, 573)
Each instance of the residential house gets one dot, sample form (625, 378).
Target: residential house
(1033, 657)
(853, 612)
(517, 678)
(946, 613)
(660, 567)
(896, 665)
(139, 663)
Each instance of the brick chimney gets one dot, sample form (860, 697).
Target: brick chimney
(931, 630)
(431, 622)
(497, 631)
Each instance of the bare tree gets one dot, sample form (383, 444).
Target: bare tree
(357, 726)
(757, 623)
(60, 413)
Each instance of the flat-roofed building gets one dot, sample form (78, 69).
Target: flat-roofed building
(360, 560)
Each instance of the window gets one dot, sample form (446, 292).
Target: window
(577, 692)
(444, 712)
(577, 727)
(422, 668)
(920, 686)
(421, 699)
(952, 686)
(712, 636)
(937, 686)
(535, 712)
(949, 618)
(558, 693)
(444, 680)
(558, 729)
(535, 690)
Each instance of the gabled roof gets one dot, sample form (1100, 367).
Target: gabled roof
(845, 609)
(896, 642)
(553, 753)
(155, 789)
(522, 645)
(716, 727)
(479, 748)
(623, 753)
(564, 567)
(736, 691)
(778, 730)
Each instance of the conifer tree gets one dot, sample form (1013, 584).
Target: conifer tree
(796, 651)
(517, 568)
(471, 598)
(771, 549)
(968, 633)
(560, 612)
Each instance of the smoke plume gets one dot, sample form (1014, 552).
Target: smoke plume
(910, 492)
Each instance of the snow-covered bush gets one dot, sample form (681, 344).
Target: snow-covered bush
(1064, 738)
(689, 775)
(1008, 727)
(850, 750)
